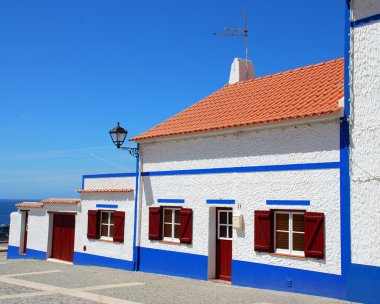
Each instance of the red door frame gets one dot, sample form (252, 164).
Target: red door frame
(63, 236)
(24, 245)
(223, 258)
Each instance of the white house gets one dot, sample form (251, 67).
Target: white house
(270, 182)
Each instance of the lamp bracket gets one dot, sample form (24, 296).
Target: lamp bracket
(133, 151)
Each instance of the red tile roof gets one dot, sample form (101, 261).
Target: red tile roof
(303, 92)
(29, 205)
(103, 190)
(60, 201)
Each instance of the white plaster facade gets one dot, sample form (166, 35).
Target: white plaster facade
(301, 145)
(40, 224)
(361, 9)
(125, 202)
(365, 135)
(289, 145)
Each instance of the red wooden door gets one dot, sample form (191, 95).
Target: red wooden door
(23, 249)
(224, 243)
(63, 237)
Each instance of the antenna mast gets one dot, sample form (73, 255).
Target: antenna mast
(238, 33)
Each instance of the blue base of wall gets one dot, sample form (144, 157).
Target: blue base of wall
(14, 253)
(363, 284)
(287, 279)
(81, 258)
(173, 263)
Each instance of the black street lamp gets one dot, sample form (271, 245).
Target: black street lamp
(118, 135)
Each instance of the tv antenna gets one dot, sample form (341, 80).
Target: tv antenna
(238, 33)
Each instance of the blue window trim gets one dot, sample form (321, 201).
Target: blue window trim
(108, 175)
(286, 167)
(365, 21)
(220, 201)
(170, 201)
(289, 202)
(107, 206)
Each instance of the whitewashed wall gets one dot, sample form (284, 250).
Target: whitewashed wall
(125, 202)
(309, 144)
(302, 144)
(110, 183)
(364, 8)
(365, 131)
(15, 229)
(39, 226)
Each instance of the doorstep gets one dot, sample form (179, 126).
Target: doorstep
(59, 261)
(220, 281)
(3, 247)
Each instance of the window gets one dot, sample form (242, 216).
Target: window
(171, 224)
(289, 234)
(225, 224)
(106, 225)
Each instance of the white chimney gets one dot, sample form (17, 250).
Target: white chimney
(241, 70)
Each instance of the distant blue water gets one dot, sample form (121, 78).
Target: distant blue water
(7, 206)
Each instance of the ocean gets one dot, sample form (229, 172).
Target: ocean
(7, 206)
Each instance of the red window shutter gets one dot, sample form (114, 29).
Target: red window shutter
(155, 225)
(263, 230)
(118, 228)
(314, 235)
(186, 228)
(93, 224)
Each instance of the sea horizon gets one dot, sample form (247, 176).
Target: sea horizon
(7, 206)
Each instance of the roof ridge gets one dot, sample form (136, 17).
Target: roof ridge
(285, 72)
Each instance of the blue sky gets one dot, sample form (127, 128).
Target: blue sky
(69, 70)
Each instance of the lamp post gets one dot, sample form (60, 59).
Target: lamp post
(118, 135)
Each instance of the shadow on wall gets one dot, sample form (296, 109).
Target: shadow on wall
(291, 140)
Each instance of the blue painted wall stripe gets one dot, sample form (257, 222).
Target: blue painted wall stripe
(287, 167)
(363, 284)
(287, 279)
(170, 201)
(107, 206)
(14, 253)
(220, 201)
(365, 21)
(174, 263)
(289, 202)
(81, 258)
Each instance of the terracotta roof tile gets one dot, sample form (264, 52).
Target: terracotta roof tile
(303, 92)
(103, 190)
(30, 205)
(60, 201)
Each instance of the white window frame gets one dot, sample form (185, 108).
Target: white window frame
(289, 251)
(226, 225)
(173, 224)
(109, 224)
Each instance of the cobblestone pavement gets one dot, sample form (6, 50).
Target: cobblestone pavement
(31, 281)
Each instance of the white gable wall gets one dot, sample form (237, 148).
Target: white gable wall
(303, 144)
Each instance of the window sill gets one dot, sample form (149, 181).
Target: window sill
(169, 242)
(100, 240)
(288, 255)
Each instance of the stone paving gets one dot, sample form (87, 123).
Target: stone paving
(31, 281)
